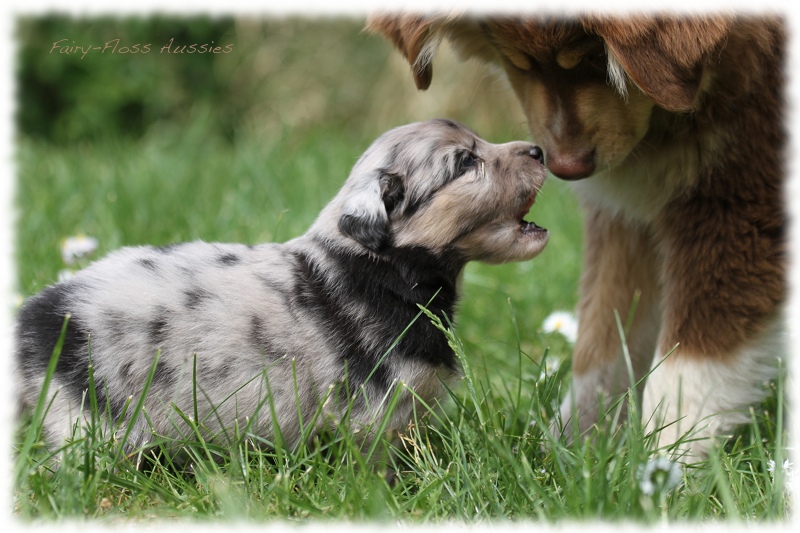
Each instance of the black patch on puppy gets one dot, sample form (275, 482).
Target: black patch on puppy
(125, 371)
(224, 370)
(195, 297)
(447, 122)
(410, 276)
(374, 234)
(370, 229)
(116, 322)
(393, 192)
(228, 259)
(262, 338)
(158, 328)
(416, 204)
(167, 248)
(115, 407)
(40, 323)
(272, 285)
(149, 264)
(164, 375)
(328, 306)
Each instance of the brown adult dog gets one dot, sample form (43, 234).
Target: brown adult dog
(670, 129)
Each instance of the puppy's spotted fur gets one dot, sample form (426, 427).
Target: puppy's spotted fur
(285, 328)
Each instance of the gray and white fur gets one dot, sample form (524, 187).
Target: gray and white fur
(248, 331)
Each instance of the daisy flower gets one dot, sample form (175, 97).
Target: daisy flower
(787, 467)
(549, 367)
(659, 476)
(77, 247)
(65, 274)
(788, 471)
(562, 322)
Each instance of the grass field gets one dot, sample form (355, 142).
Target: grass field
(485, 453)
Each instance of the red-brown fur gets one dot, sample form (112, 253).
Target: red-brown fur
(682, 182)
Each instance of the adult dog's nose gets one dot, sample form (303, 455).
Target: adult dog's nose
(571, 166)
(536, 153)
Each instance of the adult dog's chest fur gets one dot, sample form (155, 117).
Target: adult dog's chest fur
(655, 173)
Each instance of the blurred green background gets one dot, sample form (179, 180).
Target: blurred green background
(299, 73)
(248, 146)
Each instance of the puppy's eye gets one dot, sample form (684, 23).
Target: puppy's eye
(465, 161)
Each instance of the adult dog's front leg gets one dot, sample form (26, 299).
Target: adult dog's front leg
(620, 274)
(723, 289)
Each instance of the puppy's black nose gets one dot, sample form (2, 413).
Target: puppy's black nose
(536, 153)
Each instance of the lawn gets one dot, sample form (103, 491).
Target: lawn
(248, 147)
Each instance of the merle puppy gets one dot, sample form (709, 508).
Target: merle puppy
(298, 335)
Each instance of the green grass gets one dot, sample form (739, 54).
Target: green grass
(485, 453)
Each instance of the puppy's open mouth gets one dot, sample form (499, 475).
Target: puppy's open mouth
(528, 228)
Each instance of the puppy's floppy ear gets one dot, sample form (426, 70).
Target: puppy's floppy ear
(665, 56)
(416, 36)
(365, 217)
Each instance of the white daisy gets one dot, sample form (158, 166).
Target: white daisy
(65, 274)
(787, 467)
(77, 247)
(659, 475)
(788, 471)
(549, 367)
(562, 322)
